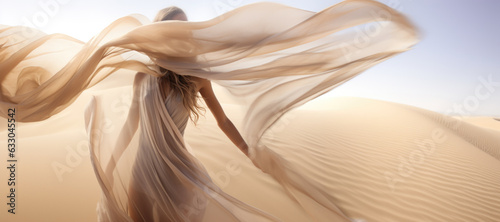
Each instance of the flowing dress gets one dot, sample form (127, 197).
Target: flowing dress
(270, 56)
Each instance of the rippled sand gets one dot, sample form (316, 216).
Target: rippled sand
(382, 162)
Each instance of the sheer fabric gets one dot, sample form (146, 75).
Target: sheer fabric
(270, 56)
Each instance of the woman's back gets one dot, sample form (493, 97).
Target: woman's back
(177, 110)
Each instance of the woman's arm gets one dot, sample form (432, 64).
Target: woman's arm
(224, 123)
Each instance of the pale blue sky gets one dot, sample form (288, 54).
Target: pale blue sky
(460, 44)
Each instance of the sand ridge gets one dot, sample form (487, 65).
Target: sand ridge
(381, 161)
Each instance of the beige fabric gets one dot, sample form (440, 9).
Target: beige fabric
(271, 57)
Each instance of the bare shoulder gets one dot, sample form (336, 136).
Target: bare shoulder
(201, 82)
(139, 76)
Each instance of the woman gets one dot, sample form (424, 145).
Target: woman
(189, 86)
(180, 96)
(270, 56)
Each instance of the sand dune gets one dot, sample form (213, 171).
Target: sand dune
(483, 121)
(381, 161)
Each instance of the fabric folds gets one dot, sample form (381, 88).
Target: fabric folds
(270, 56)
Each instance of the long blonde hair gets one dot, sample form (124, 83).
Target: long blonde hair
(183, 85)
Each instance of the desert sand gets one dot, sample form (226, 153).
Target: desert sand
(382, 162)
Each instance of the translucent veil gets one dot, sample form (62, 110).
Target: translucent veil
(270, 56)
